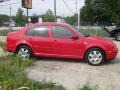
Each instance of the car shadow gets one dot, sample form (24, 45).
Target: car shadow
(113, 62)
(58, 60)
(37, 59)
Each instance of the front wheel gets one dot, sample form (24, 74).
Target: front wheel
(117, 36)
(24, 52)
(95, 56)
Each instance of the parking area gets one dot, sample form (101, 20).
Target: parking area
(73, 74)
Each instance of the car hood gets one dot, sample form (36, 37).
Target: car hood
(100, 39)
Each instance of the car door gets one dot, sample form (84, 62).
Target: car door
(39, 39)
(63, 44)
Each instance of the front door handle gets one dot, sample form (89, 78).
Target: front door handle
(30, 38)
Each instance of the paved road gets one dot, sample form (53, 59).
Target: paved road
(72, 74)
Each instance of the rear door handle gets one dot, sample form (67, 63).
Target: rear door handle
(55, 40)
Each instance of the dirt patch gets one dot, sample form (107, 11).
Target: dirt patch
(73, 74)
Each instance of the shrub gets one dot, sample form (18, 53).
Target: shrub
(13, 75)
(88, 87)
(4, 32)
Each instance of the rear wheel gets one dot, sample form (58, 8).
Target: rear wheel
(117, 36)
(95, 56)
(24, 52)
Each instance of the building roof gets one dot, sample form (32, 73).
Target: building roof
(40, 16)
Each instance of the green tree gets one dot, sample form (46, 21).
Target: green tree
(3, 19)
(20, 18)
(87, 11)
(48, 16)
(101, 10)
(71, 19)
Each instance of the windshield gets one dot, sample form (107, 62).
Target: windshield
(76, 29)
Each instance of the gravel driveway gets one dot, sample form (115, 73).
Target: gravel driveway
(73, 74)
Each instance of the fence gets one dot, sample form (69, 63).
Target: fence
(87, 30)
(95, 30)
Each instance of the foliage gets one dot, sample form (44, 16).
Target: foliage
(101, 11)
(88, 87)
(20, 18)
(2, 45)
(13, 75)
(3, 19)
(48, 16)
(3, 32)
(71, 19)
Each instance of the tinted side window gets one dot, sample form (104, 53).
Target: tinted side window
(61, 32)
(41, 31)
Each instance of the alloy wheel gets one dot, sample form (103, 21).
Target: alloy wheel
(24, 53)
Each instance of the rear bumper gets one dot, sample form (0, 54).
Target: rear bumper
(10, 48)
(111, 54)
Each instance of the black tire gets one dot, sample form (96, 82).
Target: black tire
(117, 36)
(99, 60)
(28, 52)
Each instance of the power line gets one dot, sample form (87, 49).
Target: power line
(68, 6)
(10, 4)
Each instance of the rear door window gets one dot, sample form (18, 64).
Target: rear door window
(41, 31)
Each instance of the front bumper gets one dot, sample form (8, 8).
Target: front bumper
(111, 54)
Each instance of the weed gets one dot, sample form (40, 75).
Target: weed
(14, 77)
(4, 32)
(2, 45)
(88, 87)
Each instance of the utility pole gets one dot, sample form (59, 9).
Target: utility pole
(76, 6)
(78, 15)
(78, 19)
(27, 16)
(55, 11)
(10, 19)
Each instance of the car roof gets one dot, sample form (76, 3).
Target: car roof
(49, 23)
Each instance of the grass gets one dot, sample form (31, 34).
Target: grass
(2, 45)
(14, 77)
(4, 32)
(88, 87)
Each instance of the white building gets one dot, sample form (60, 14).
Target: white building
(35, 19)
(60, 19)
(39, 19)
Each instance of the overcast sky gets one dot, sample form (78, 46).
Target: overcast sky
(40, 7)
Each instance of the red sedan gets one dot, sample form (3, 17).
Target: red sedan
(61, 41)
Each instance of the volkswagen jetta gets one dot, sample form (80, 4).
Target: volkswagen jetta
(61, 41)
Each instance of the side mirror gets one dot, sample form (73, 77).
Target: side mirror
(75, 37)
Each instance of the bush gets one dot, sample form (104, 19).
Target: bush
(88, 87)
(13, 75)
(4, 32)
